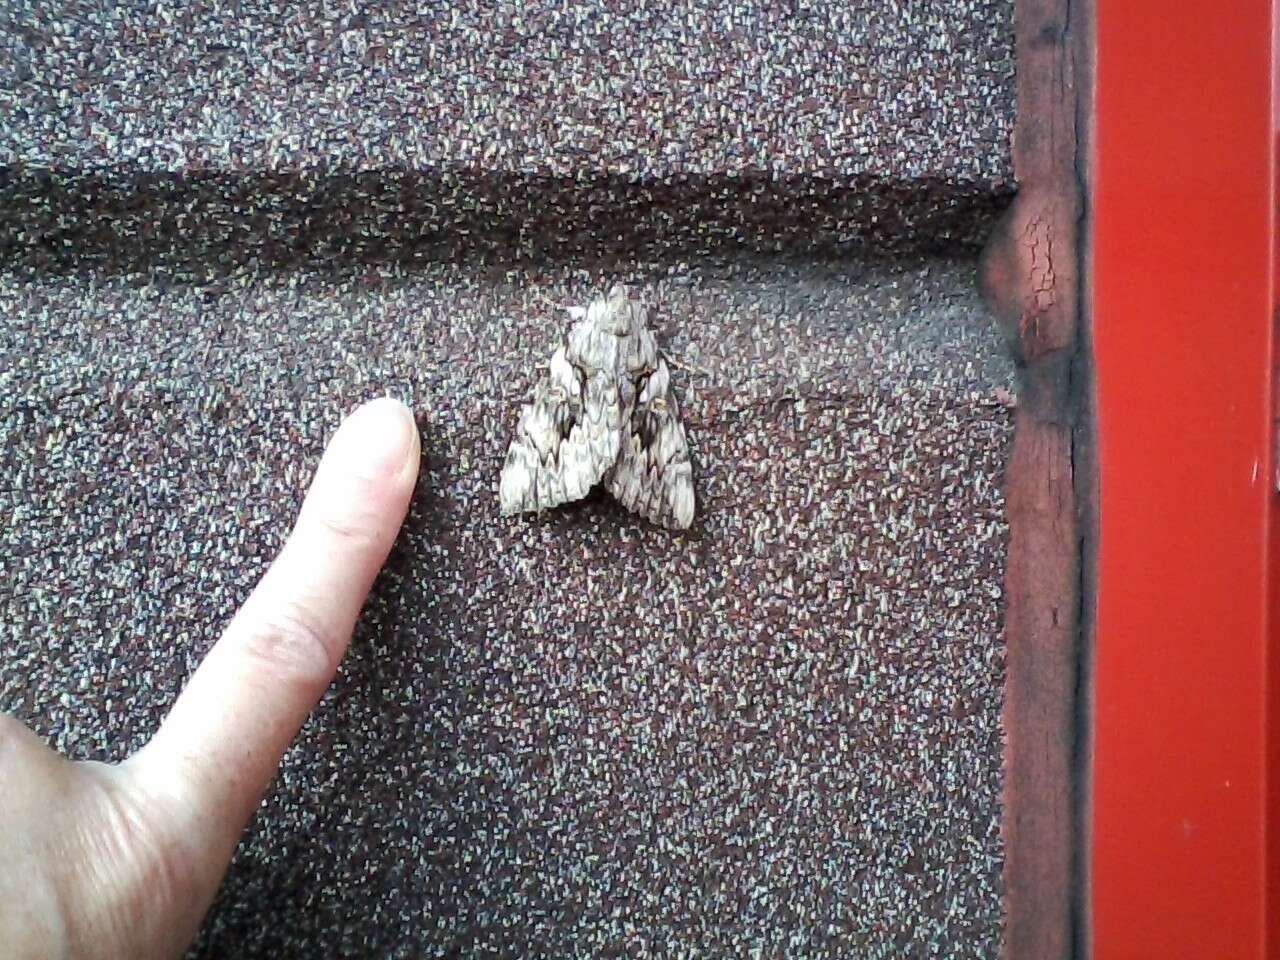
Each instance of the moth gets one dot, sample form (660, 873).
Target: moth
(603, 413)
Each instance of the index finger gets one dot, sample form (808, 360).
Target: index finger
(218, 749)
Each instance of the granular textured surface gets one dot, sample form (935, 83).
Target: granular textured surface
(571, 736)
(182, 134)
(911, 91)
(778, 734)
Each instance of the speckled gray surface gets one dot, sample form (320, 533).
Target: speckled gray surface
(191, 135)
(565, 737)
(777, 735)
(914, 90)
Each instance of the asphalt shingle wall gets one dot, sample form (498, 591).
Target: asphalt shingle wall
(196, 134)
(555, 737)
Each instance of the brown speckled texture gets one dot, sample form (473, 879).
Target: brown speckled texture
(580, 736)
(915, 91)
(553, 737)
(189, 136)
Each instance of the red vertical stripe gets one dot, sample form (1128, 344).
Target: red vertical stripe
(1183, 276)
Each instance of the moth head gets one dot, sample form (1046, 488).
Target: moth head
(616, 313)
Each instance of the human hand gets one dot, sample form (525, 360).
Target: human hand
(123, 860)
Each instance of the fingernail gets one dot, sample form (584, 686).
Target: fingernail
(374, 441)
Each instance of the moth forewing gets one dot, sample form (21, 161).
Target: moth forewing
(604, 411)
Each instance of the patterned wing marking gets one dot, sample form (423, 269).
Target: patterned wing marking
(566, 440)
(653, 476)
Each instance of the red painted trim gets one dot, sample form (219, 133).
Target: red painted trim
(1273, 654)
(1183, 280)
(1273, 673)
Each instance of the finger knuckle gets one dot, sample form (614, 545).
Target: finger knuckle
(133, 838)
(289, 643)
(354, 530)
(139, 870)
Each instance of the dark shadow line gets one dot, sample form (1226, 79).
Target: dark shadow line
(200, 225)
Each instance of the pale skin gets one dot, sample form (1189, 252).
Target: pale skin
(123, 860)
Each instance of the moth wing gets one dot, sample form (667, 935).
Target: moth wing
(653, 476)
(566, 439)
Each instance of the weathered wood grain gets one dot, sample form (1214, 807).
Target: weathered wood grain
(1034, 278)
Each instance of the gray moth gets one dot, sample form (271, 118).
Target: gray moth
(603, 413)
